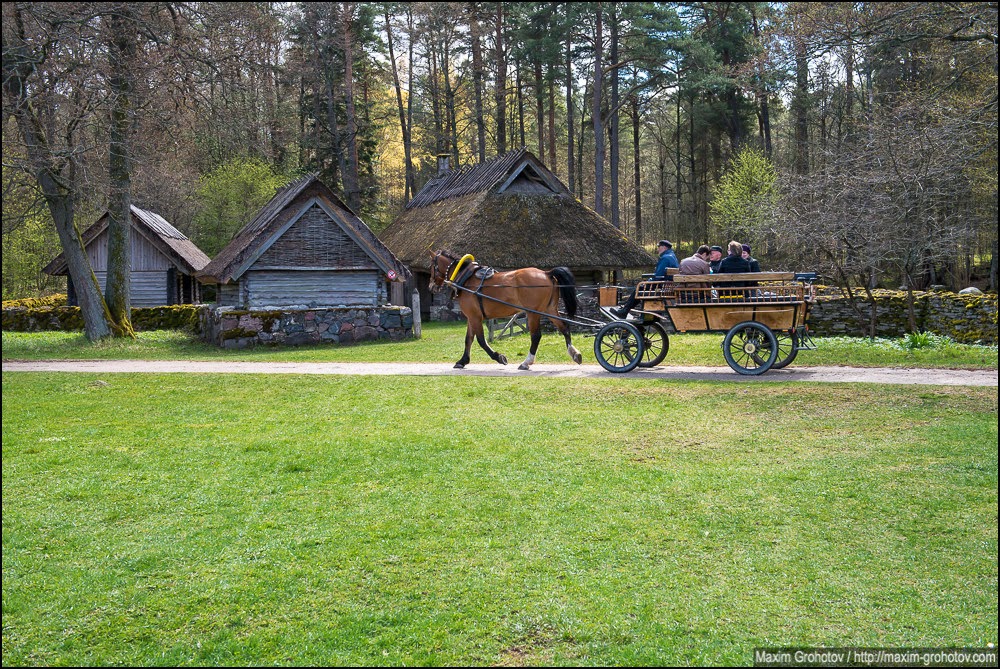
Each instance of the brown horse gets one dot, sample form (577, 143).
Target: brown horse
(528, 288)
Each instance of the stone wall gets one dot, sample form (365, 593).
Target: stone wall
(66, 319)
(967, 319)
(235, 328)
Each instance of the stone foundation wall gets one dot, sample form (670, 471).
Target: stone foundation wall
(235, 328)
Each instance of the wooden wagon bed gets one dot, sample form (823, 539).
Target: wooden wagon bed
(717, 302)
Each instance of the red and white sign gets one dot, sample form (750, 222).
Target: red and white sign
(391, 275)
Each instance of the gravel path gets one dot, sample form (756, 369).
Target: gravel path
(943, 377)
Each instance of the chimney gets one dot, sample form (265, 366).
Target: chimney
(443, 166)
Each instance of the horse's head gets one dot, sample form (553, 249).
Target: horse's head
(440, 262)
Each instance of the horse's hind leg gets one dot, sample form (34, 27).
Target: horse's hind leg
(574, 354)
(477, 328)
(535, 328)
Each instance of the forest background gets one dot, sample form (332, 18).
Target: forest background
(858, 139)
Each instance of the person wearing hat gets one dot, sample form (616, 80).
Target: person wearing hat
(714, 258)
(667, 260)
(754, 265)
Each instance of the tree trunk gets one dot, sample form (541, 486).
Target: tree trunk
(410, 171)
(765, 114)
(569, 114)
(677, 162)
(520, 104)
(57, 190)
(800, 106)
(352, 186)
(613, 130)
(449, 99)
(662, 171)
(501, 91)
(552, 122)
(477, 79)
(598, 125)
(122, 34)
(408, 191)
(637, 172)
(439, 147)
(540, 108)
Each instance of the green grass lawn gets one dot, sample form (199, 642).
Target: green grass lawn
(197, 519)
(444, 342)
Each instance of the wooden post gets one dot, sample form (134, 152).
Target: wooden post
(416, 314)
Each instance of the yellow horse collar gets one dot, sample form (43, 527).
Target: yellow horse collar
(467, 257)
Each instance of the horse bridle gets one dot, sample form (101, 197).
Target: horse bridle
(435, 270)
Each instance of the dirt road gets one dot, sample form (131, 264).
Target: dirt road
(946, 377)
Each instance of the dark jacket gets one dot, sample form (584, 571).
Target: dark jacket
(667, 259)
(734, 265)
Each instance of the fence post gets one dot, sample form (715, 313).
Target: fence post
(416, 314)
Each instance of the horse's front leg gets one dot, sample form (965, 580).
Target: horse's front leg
(468, 347)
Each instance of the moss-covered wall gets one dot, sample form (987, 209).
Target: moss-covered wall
(967, 319)
(37, 319)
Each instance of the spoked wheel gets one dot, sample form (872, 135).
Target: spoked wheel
(618, 347)
(655, 344)
(750, 348)
(788, 348)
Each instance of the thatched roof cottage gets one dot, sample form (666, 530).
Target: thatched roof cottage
(164, 261)
(304, 248)
(509, 212)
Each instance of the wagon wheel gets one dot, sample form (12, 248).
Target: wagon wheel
(750, 348)
(618, 346)
(655, 344)
(788, 348)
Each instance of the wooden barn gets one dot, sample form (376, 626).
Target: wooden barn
(164, 261)
(508, 212)
(305, 248)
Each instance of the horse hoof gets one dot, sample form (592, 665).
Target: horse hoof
(502, 359)
(459, 365)
(578, 359)
(523, 367)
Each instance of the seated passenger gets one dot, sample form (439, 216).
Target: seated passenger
(734, 263)
(696, 264)
(668, 259)
(754, 266)
(714, 258)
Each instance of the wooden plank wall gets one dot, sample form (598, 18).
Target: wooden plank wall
(148, 289)
(315, 242)
(145, 256)
(308, 287)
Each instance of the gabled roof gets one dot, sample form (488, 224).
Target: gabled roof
(274, 218)
(509, 212)
(172, 243)
(482, 177)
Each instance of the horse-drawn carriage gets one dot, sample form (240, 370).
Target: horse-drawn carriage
(763, 314)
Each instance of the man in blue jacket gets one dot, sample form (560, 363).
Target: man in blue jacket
(668, 259)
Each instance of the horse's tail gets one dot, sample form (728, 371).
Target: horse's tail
(567, 288)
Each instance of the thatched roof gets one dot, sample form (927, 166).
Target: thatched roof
(277, 215)
(509, 212)
(167, 239)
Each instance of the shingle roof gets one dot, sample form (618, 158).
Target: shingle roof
(226, 266)
(180, 250)
(470, 179)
